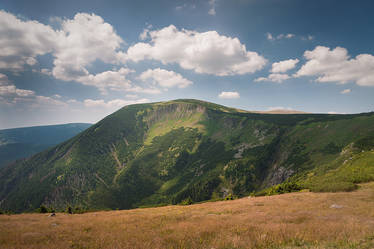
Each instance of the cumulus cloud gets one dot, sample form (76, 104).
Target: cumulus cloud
(229, 95)
(21, 41)
(80, 42)
(113, 80)
(164, 78)
(346, 91)
(86, 38)
(283, 66)
(336, 66)
(112, 104)
(207, 52)
(274, 77)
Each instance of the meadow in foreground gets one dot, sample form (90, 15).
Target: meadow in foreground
(297, 220)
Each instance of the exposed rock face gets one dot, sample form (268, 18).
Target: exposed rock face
(279, 175)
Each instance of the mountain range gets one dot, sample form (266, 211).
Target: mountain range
(187, 151)
(20, 143)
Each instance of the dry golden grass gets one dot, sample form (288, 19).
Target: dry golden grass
(298, 220)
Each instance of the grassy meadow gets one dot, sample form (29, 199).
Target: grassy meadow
(295, 220)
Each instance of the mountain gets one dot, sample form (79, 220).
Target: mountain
(186, 151)
(23, 142)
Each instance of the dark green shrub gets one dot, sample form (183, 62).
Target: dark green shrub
(229, 197)
(69, 210)
(365, 143)
(79, 210)
(286, 187)
(187, 201)
(331, 148)
(43, 209)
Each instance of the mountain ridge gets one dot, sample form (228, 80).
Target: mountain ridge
(185, 151)
(22, 142)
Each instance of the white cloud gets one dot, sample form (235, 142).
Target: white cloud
(180, 7)
(3, 79)
(229, 95)
(144, 34)
(10, 95)
(206, 52)
(285, 36)
(334, 112)
(274, 77)
(10, 92)
(279, 108)
(185, 6)
(112, 104)
(72, 101)
(288, 36)
(165, 78)
(346, 91)
(46, 71)
(131, 96)
(43, 100)
(283, 66)
(82, 41)
(212, 10)
(270, 37)
(113, 80)
(337, 66)
(21, 41)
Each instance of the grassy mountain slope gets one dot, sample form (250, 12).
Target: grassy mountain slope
(185, 151)
(23, 142)
(312, 221)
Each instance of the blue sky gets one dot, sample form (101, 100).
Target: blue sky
(78, 61)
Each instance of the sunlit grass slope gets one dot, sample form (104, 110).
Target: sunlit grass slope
(297, 220)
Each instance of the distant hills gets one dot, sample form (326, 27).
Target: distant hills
(23, 142)
(187, 151)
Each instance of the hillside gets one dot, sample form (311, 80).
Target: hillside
(23, 142)
(314, 220)
(187, 151)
